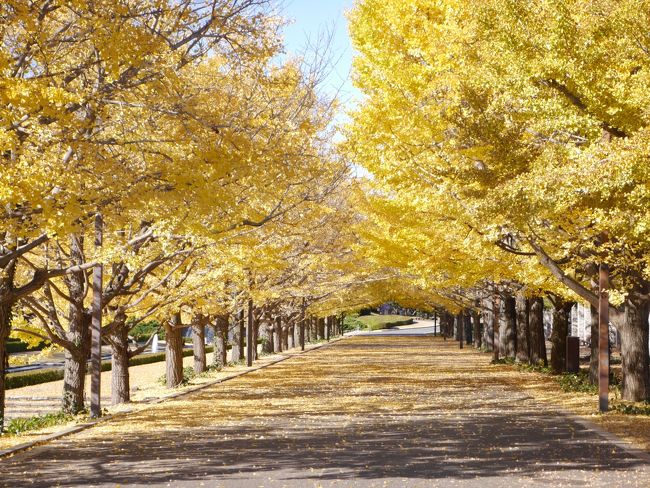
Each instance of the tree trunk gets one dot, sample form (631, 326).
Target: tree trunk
(5, 324)
(510, 317)
(478, 333)
(241, 321)
(237, 351)
(120, 387)
(291, 338)
(503, 328)
(198, 344)
(268, 345)
(220, 358)
(75, 365)
(488, 326)
(537, 339)
(285, 338)
(633, 327)
(277, 334)
(561, 316)
(256, 337)
(301, 334)
(174, 352)
(523, 330)
(593, 356)
(496, 314)
(467, 321)
(74, 375)
(78, 334)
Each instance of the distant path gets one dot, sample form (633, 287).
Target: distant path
(420, 327)
(368, 411)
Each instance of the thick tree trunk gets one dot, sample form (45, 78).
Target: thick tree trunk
(237, 339)
(561, 316)
(510, 317)
(277, 334)
(285, 338)
(75, 364)
(268, 345)
(291, 338)
(469, 332)
(198, 344)
(220, 356)
(593, 357)
(476, 324)
(78, 334)
(321, 329)
(74, 374)
(537, 340)
(633, 327)
(488, 326)
(120, 387)
(174, 352)
(523, 330)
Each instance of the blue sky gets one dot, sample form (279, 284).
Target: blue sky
(311, 17)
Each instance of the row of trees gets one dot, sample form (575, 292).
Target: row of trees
(508, 142)
(168, 145)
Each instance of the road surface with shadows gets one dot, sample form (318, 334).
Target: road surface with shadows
(367, 411)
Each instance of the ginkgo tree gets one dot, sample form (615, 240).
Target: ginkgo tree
(525, 122)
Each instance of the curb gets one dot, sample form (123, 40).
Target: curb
(611, 438)
(5, 453)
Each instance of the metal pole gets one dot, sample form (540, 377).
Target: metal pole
(249, 334)
(96, 328)
(603, 338)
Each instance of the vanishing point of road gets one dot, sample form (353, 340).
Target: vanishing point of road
(384, 410)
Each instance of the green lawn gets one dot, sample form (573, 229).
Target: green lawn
(376, 322)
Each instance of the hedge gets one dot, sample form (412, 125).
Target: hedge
(28, 378)
(13, 346)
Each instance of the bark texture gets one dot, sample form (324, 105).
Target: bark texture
(561, 315)
(198, 344)
(593, 347)
(219, 358)
(174, 352)
(118, 339)
(537, 339)
(633, 327)
(510, 319)
(523, 330)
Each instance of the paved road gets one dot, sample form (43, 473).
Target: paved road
(370, 411)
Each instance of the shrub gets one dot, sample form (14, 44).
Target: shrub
(27, 378)
(577, 382)
(632, 408)
(143, 331)
(14, 345)
(18, 426)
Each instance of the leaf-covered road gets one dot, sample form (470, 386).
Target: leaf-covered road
(366, 411)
